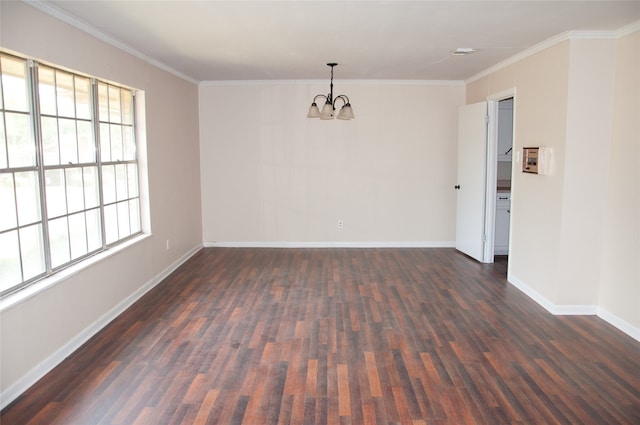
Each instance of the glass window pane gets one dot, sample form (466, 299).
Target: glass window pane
(127, 107)
(103, 102)
(75, 189)
(116, 143)
(128, 144)
(132, 176)
(123, 219)
(10, 273)
(59, 241)
(91, 194)
(56, 196)
(94, 232)
(111, 223)
(78, 235)
(19, 141)
(134, 215)
(28, 197)
(86, 150)
(32, 250)
(105, 143)
(68, 142)
(3, 144)
(108, 184)
(73, 193)
(121, 182)
(14, 84)
(50, 149)
(64, 93)
(83, 98)
(8, 217)
(47, 90)
(115, 114)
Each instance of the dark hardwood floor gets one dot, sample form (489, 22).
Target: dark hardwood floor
(341, 336)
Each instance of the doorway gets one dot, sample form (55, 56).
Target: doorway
(503, 178)
(478, 175)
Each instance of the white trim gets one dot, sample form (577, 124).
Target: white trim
(418, 244)
(503, 95)
(593, 35)
(568, 35)
(575, 310)
(337, 82)
(619, 323)
(63, 16)
(520, 56)
(26, 381)
(631, 28)
(531, 293)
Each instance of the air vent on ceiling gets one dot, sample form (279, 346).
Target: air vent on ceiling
(461, 51)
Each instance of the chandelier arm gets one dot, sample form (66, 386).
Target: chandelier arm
(342, 97)
(317, 96)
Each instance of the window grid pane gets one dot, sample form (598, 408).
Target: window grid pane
(78, 235)
(72, 171)
(32, 251)
(10, 268)
(8, 212)
(21, 148)
(59, 241)
(3, 143)
(27, 197)
(15, 85)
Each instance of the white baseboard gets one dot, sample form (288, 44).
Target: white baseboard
(532, 293)
(623, 325)
(582, 310)
(26, 381)
(418, 244)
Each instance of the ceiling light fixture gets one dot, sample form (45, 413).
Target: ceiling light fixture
(329, 108)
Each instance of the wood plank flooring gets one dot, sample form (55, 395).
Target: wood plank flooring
(340, 336)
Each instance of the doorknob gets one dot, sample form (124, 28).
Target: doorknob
(457, 187)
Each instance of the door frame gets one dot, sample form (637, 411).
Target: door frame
(492, 170)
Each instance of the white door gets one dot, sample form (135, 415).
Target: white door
(470, 186)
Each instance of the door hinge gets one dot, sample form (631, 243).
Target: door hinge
(484, 237)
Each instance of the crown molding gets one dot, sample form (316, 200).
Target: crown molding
(59, 14)
(629, 29)
(343, 82)
(568, 35)
(520, 56)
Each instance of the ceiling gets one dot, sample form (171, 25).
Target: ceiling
(293, 40)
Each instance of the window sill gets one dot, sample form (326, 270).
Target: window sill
(51, 281)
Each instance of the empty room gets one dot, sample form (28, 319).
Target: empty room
(319, 212)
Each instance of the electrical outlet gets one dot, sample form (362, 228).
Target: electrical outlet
(340, 224)
(168, 245)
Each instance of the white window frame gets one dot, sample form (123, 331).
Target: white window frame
(127, 200)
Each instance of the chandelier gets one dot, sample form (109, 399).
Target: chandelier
(329, 108)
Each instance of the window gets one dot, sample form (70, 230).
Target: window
(68, 169)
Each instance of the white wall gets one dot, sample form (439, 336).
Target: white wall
(540, 115)
(586, 166)
(271, 176)
(619, 291)
(575, 244)
(40, 331)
